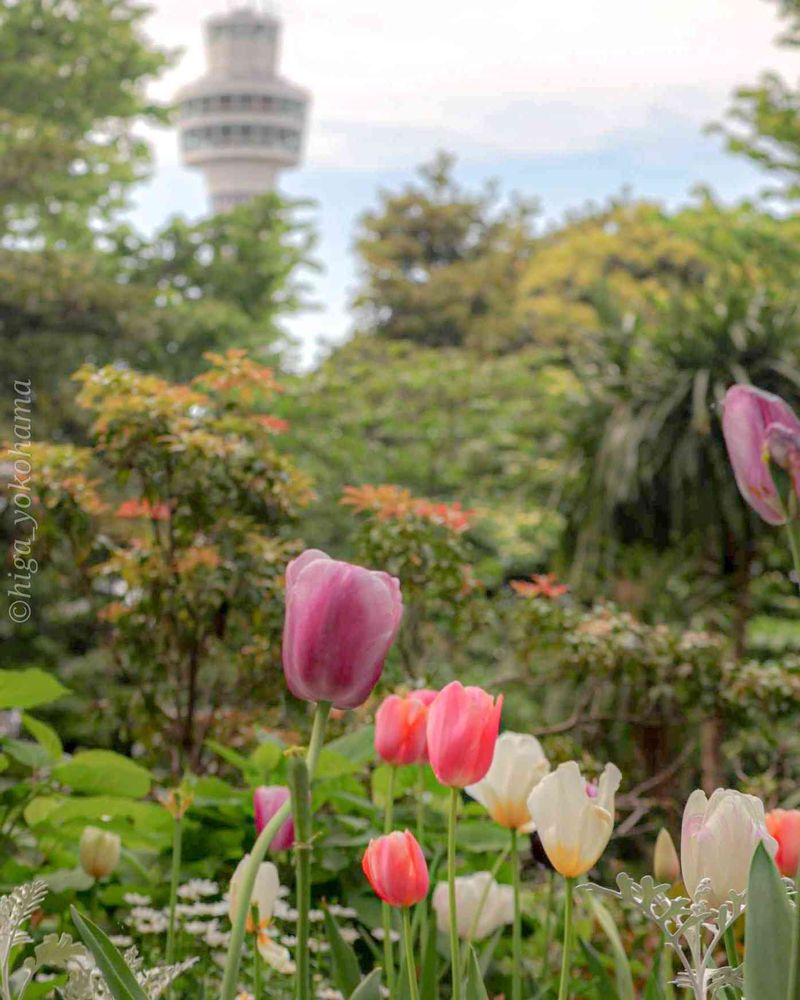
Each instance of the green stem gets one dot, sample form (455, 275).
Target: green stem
(301, 808)
(502, 857)
(794, 969)
(516, 970)
(455, 965)
(421, 805)
(256, 971)
(794, 548)
(177, 845)
(386, 912)
(264, 839)
(409, 949)
(733, 958)
(563, 990)
(548, 924)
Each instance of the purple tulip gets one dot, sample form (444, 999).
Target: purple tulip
(341, 621)
(267, 800)
(760, 428)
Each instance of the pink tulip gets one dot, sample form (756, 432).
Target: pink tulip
(341, 621)
(760, 428)
(425, 695)
(396, 869)
(784, 826)
(400, 726)
(267, 800)
(462, 731)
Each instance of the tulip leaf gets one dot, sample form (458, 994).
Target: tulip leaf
(358, 746)
(475, 988)
(768, 931)
(119, 979)
(346, 973)
(622, 969)
(369, 988)
(601, 981)
(44, 735)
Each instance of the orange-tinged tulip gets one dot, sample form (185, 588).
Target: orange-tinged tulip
(462, 731)
(400, 725)
(784, 826)
(396, 869)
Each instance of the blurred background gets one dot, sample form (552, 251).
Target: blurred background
(452, 289)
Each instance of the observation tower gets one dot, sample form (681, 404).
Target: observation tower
(241, 123)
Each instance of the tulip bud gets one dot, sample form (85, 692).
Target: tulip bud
(341, 621)
(518, 765)
(666, 864)
(400, 725)
(462, 732)
(718, 839)
(574, 822)
(784, 826)
(267, 800)
(497, 909)
(759, 427)
(396, 869)
(99, 852)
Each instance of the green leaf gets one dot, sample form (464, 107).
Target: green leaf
(481, 836)
(474, 987)
(359, 747)
(768, 931)
(68, 878)
(44, 735)
(429, 973)
(248, 769)
(369, 988)
(601, 981)
(266, 758)
(28, 754)
(29, 688)
(99, 772)
(120, 980)
(346, 973)
(622, 969)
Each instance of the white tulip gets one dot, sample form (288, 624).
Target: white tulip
(497, 908)
(718, 838)
(574, 819)
(518, 765)
(266, 891)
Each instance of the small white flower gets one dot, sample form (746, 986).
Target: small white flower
(346, 912)
(134, 899)
(377, 933)
(197, 888)
(316, 916)
(121, 940)
(350, 934)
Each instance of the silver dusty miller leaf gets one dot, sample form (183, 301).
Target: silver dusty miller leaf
(693, 928)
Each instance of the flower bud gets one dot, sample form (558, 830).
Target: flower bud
(341, 621)
(666, 864)
(267, 800)
(784, 826)
(99, 852)
(396, 868)
(462, 731)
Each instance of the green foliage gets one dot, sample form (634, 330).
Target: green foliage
(118, 977)
(440, 264)
(67, 143)
(762, 123)
(770, 927)
(180, 574)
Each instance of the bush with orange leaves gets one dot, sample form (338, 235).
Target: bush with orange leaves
(176, 519)
(424, 543)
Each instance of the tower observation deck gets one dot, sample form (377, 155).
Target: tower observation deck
(241, 123)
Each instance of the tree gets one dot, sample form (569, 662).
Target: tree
(73, 78)
(175, 527)
(763, 122)
(439, 264)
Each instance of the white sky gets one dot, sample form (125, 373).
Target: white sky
(499, 82)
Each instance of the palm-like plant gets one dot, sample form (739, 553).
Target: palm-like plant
(652, 466)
